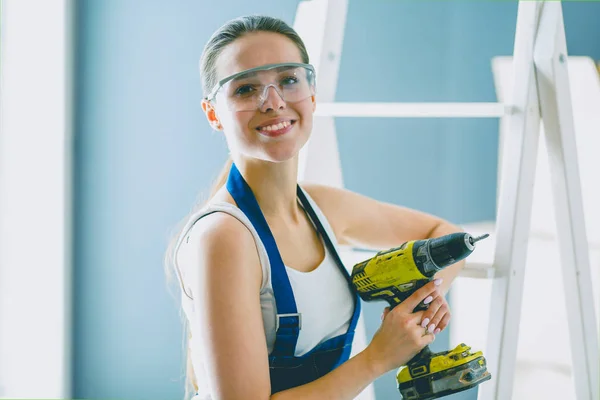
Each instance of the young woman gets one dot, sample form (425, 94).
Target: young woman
(270, 309)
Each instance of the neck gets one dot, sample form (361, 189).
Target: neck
(273, 185)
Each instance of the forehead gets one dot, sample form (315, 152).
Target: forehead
(254, 50)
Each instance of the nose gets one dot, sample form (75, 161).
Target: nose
(272, 100)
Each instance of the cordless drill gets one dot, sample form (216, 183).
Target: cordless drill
(393, 275)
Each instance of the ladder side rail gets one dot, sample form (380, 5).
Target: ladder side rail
(514, 208)
(321, 25)
(550, 57)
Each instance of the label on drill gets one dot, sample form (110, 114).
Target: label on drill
(391, 275)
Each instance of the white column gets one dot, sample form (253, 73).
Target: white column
(35, 193)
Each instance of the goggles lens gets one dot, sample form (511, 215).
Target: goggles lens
(248, 90)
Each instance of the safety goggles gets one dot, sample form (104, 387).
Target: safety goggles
(248, 90)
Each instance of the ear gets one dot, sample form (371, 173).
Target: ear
(313, 98)
(211, 115)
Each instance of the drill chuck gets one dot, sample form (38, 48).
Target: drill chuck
(432, 255)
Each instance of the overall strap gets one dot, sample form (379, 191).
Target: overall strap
(340, 264)
(288, 321)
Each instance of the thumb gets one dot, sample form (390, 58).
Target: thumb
(386, 311)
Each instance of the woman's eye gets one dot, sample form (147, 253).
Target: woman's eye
(244, 90)
(290, 80)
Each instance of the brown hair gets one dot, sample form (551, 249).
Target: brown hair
(224, 36)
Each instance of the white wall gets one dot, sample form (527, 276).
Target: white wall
(34, 200)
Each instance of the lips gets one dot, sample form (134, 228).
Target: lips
(276, 127)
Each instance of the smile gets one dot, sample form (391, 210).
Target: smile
(276, 129)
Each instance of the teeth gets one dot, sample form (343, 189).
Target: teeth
(276, 127)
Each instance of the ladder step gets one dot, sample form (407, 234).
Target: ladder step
(413, 110)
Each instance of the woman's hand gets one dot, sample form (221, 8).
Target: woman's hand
(401, 335)
(437, 316)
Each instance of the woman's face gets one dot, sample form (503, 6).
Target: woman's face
(275, 130)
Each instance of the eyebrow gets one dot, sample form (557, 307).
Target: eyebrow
(249, 75)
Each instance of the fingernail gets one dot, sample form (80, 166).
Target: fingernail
(425, 322)
(431, 328)
(436, 331)
(438, 282)
(428, 300)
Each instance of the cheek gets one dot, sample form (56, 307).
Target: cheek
(305, 110)
(233, 122)
(236, 129)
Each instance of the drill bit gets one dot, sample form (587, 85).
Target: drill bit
(478, 238)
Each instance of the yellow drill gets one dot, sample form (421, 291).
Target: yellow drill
(393, 275)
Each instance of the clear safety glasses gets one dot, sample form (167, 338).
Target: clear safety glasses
(248, 90)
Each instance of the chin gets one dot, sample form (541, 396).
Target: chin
(284, 150)
(280, 155)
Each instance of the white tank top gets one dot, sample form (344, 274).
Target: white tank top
(322, 295)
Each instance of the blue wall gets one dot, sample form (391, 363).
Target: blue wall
(144, 151)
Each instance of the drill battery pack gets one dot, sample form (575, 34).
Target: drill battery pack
(441, 374)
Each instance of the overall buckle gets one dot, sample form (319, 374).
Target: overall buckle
(299, 315)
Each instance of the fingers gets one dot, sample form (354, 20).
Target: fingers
(434, 314)
(443, 323)
(435, 321)
(413, 318)
(427, 338)
(419, 295)
(423, 336)
(436, 318)
(416, 318)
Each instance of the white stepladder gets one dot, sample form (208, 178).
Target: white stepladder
(541, 93)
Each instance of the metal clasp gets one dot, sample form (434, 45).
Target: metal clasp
(299, 315)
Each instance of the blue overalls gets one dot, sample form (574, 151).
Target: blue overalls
(286, 370)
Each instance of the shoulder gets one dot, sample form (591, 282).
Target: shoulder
(332, 201)
(323, 195)
(218, 230)
(218, 226)
(218, 246)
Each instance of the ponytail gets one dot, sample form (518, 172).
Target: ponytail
(221, 178)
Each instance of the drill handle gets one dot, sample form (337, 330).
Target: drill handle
(420, 307)
(422, 357)
(399, 296)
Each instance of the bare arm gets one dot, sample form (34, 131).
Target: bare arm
(225, 285)
(225, 279)
(365, 222)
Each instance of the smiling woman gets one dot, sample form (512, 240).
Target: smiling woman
(265, 294)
